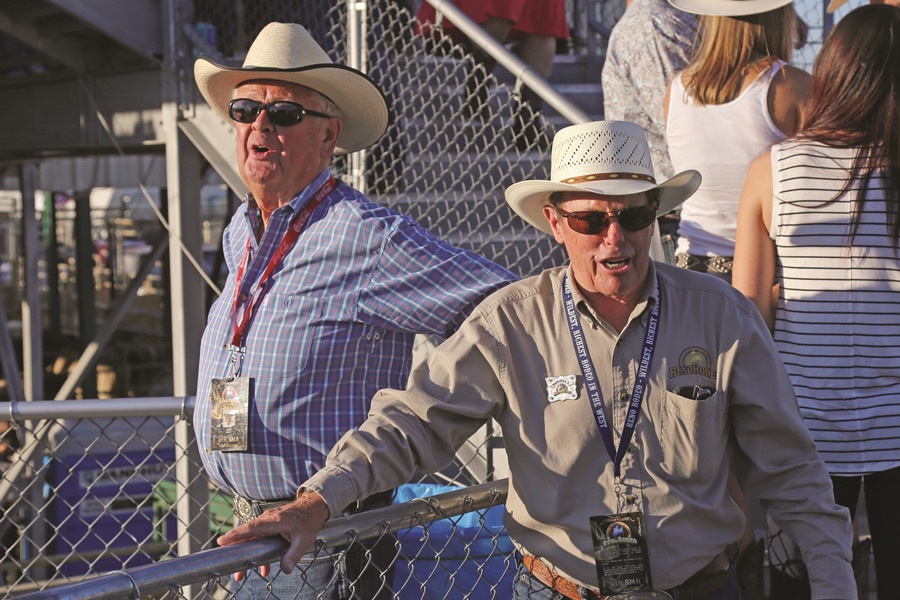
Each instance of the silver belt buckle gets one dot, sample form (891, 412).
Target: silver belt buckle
(243, 509)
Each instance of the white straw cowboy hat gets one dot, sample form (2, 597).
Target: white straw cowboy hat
(287, 52)
(604, 157)
(728, 8)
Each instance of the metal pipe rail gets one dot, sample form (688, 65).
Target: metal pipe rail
(515, 65)
(207, 565)
(49, 410)
(163, 406)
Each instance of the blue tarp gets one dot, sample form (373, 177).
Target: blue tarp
(468, 556)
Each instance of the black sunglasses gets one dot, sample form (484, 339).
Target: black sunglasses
(595, 222)
(282, 113)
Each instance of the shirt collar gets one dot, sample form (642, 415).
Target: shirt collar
(299, 201)
(303, 198)
(648, 296)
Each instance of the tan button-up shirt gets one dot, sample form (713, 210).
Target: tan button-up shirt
(677, 465)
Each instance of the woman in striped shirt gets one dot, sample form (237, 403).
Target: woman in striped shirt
(820, 214)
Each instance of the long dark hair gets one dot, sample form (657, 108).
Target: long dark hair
(854, 102)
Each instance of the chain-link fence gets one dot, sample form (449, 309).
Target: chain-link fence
(83, 496)
(86, 493)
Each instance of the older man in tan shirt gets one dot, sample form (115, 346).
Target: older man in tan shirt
(622, 387)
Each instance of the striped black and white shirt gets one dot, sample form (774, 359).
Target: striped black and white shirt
(838, 318)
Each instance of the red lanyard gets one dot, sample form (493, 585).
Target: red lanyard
(296, 226)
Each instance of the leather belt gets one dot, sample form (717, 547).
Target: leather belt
(710, 578)
(704, 264)
(552, 580)
(246, 509)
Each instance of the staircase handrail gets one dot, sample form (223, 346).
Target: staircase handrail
(524, 74)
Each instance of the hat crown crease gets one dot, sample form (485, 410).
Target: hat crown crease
(601, 151)
(280, 47)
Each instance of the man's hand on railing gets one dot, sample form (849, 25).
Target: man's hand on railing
(298, 522)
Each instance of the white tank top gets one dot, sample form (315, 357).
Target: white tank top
(720, 141)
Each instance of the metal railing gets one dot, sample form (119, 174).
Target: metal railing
(94, 486)
(205, 567)
(524, 74)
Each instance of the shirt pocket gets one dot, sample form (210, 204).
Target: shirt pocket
(692, 436)
(283, 329)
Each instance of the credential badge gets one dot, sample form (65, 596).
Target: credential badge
(561, 387)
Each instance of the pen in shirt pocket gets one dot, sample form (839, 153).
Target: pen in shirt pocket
(694, 392)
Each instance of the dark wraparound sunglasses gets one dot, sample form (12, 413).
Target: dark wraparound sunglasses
(594, 222)
(282, 113)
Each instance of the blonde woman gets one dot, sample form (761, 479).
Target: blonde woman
(736, 98)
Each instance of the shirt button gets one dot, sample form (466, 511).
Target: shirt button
(243, 296)
(623, 397)
(630, 499)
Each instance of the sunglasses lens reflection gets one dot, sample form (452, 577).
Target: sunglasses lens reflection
(282, 113)
(635, 219)
(589, 223)
(244, 110)
(595, 222)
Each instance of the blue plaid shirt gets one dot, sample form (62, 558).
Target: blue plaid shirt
(335, 325)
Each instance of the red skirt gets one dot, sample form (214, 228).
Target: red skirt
(542, 17)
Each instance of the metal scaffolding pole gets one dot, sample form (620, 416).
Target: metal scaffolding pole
(8, 361)
(186, 284)
(51, 252)
(32, 350)
(87, 303)
(32, 361)
(525, 75)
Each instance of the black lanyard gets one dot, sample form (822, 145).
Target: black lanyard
(592, 385)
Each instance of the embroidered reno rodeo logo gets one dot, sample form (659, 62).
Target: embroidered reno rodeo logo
(693, 361)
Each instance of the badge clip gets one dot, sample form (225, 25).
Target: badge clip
(237, 358)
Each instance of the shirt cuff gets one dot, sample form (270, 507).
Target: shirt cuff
(832, 579)
(336, 488)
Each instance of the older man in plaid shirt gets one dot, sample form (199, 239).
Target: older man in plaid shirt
(325, 293)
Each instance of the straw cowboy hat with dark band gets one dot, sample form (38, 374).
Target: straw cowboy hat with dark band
(287, 52)
(604, 157)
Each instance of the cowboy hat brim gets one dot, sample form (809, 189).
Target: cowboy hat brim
(528, 198)
(728, 8)
(363, 106)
